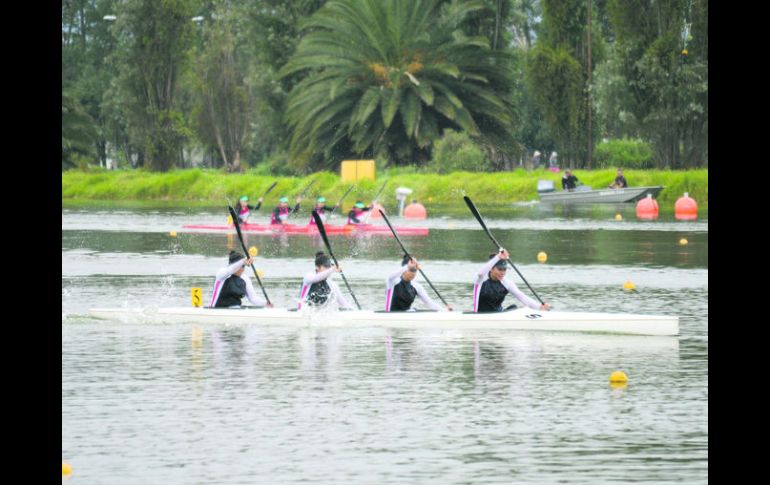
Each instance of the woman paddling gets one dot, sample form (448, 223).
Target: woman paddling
(281, 213)
(492, 287)
(321, 208)
(401, 289)
(231, 285)
(242, 208)
(354, 216)
(317, 287)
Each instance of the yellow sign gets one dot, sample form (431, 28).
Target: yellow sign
(353, 170)
(197, 297)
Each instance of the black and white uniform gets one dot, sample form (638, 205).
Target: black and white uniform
(229, 289)
(318, 287)
(488, 294)
(400, 294)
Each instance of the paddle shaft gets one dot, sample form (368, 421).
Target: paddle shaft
(269, 189)
(376, 198)
(476, 214)
(320, 224)
(246, 251)
(341, 199)
(398, 240)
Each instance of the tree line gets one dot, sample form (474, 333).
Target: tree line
(293, 86)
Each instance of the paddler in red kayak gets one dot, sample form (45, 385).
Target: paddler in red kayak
(492, 287)
(401, 289)
(318, 287)
(281, 213)
(321, 208)
(354, 216)
(242, 208)
(231, 285)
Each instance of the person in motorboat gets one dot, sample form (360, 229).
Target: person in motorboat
(231, 285)
(401, 289)
(321, 208)
(242, 208)
(492, 286)
(281, 213)
(318, 287)
(568, 181)
(620, 181)
(354, 216)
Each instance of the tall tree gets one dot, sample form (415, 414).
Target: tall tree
(154, 39)
(385, 77)
(661, 64)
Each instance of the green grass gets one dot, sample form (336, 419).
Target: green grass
(214, 186)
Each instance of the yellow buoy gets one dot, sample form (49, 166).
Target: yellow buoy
(260, 273)
(229, 219)
(172, 233)
(683, 241)
(66, 468)
(629, 285)
(619, 377)
(253, 251)
(542, 257)
(618, 217)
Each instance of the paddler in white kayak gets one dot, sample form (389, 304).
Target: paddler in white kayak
(318, 287)
(401, 289)
(492, 287)
(231, 285)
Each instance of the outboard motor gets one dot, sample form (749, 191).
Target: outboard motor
(544, 186)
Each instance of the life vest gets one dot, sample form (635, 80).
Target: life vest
(403, 296)
(233, 289)
(318, 293)
(491, 296)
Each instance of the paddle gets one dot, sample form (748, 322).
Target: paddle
(302, 196)
(339, 204)
(246, 251)
(499, 247)
(320, 224)
(398, 240)
(376, 198)
(269, 189)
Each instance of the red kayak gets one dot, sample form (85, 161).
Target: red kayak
(311, 229)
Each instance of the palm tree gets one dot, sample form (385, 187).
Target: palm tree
(385, 77)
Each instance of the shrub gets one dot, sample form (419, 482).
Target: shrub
(457, 152)
(623, 153)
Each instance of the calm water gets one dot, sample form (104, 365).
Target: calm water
(186, 403)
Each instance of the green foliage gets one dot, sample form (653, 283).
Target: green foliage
(215, 186)
(623, 153)
(384, 78)
(457, 152)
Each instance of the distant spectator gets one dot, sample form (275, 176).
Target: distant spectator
(620, 181)
(568, 181)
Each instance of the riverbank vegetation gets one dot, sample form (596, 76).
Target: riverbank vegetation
(297, 87)
(215, 186)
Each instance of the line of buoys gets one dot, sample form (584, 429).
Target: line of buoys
(415, 210)
(686, 209)
(647, 208)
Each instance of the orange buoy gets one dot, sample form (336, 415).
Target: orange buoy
(686, 209)
(376, 207)
(647, 208)
(415, 210)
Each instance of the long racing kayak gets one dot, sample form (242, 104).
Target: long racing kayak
(311, 229)
(518, 319)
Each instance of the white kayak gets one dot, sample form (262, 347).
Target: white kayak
(518, 319)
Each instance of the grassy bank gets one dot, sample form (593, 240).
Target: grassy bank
(214, 186)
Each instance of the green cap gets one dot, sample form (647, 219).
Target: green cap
(321, 200)
(360, 205)
(244, 199)
(283, 199)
